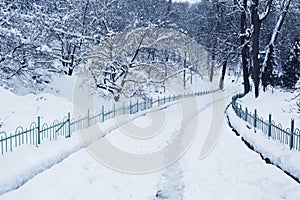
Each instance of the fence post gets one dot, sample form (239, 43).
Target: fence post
(137, 105)
(270, 125)
(157, 100)
(246, 116)
(130, 105)
(164, 99)
(292, 133)
(240, 111)
(88, 118)
(69, 125)
(151, 101)
(102, 114)
(114, 107)
(39, 130)
(255, 118)
(169, 98)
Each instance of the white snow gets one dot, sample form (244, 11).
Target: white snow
(230, 171)
(23, 110)
(280, 104)
(279, 154)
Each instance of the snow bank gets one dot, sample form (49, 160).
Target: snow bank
(23, 110)
(278, 154)
(27, 161)
(281, 104)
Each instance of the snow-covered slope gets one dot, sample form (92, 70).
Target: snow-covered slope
(23, 110)
(281, 104)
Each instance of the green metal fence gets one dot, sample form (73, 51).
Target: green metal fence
(287, 136)
(39, 132)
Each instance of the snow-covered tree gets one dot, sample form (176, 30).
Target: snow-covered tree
(268, 64)
(39, 38)
(25, 59)
(130, 62)
(291, 71)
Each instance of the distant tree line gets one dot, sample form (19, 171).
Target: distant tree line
(259, 38)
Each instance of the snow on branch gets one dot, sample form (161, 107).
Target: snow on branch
(276, 31)
(263, 15)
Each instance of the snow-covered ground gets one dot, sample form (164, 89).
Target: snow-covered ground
(281, 104)
(230, 171)
(23, 110)
(277, 153)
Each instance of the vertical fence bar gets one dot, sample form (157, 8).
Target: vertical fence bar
(292, 133)
(88, 118)
(39, 130)
(102, 114)
(270, 125)
(10, 141)
(114, 107)
(16, 143)
(69, 125)
(1, 144)
(246, 115)
(255, 118)
(158, 100)
(137, 106)
(130, 107)
(240, 111)
(23, 137)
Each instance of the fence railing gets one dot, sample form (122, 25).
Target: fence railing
(287, 136)
(38, 132)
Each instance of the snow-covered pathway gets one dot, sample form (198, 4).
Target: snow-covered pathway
(230, 171)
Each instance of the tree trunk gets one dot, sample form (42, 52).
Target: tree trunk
(191, 77)
(213, 60)
(255, 45)
(70, 72)
(245, 49)
(224, 67)
(266, 77)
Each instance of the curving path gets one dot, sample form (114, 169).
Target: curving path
(229, 170)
